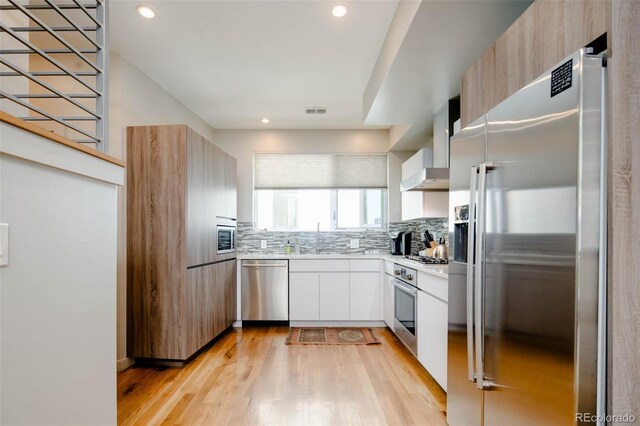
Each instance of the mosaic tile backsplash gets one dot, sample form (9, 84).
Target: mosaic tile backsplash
(248, 239)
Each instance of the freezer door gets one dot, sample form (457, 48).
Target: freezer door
(464, 400)
(536, 297)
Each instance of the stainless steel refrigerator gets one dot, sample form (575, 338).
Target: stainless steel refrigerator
(527, 263)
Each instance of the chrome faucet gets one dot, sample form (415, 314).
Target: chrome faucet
(317, 237)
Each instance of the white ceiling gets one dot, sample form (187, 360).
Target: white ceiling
(235, 62)
(443, 40)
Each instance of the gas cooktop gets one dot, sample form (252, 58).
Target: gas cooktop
(427, 260)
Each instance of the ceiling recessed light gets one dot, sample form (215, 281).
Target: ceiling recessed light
(146, 11)
(265, 120)
(339, 11)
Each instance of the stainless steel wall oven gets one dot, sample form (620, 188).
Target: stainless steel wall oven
(405, 306)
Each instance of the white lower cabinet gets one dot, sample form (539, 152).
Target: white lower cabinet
(334, 296)
(432, 336)
(304, 292)
(364, 296)
(389, 300)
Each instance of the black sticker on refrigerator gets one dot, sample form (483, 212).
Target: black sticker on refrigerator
(561, 78)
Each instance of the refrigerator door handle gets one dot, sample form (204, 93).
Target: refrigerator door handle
(470, 270)
(479, 272)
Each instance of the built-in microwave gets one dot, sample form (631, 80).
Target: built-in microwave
(226, 239)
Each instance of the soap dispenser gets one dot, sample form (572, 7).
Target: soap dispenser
(288, 248)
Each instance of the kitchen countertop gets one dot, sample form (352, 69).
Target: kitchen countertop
(436, 270)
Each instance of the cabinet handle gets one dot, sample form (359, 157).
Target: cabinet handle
(266, 265)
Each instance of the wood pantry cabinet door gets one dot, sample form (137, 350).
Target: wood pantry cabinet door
(156, 261)
(304, 292)
(218, 182)
(212, 302)
(200, 312)
(334, 296)
(230, 186)
(204, 181)
(225, 274)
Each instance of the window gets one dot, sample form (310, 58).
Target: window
(333, 209)
(338, 191)
(359, 208)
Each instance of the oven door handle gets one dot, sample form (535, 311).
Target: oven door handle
(404, 287)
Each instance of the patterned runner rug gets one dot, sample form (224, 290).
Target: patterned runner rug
(331, 336)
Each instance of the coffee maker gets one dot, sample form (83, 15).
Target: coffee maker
(401, 243)
(406, 244)
(396, 243)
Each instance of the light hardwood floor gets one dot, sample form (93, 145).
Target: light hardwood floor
(250, 377)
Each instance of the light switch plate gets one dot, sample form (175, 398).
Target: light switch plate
(4, 244)
(355, 243)
(263, 244)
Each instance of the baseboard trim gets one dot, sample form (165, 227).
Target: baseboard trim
(237, 324)
(337, 324)
(166, 362)
(124, 363)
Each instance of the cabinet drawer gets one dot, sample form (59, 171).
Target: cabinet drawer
(365, 265)
(319, 265)
(437, 286)
(388, 267)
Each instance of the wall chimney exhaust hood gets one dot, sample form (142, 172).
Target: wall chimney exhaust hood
(419, 175)
(427, 179)
(428, 169)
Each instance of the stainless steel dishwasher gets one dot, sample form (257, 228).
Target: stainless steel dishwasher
(265, 290)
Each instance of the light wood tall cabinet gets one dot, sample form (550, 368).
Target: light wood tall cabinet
(180, 292)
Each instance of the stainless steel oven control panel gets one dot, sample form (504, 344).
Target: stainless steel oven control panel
(407, 275)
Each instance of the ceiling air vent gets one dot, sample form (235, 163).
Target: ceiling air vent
(316, 110)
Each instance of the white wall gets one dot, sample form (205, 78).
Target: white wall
(136, 100)
(58, 304)
(242, 144)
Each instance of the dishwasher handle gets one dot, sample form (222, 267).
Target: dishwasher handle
(265, 265)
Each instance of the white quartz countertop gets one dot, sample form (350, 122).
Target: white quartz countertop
(437, 270)
(309, 256)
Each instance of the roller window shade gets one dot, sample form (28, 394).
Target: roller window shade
(319, 171)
